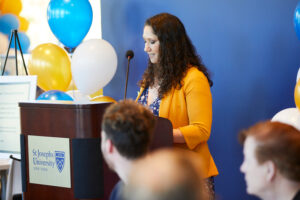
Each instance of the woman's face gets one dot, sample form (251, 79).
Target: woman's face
(151, 44)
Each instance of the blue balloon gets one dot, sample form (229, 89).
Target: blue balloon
(8, 22)
(24, 42)
(297, 20)
(70, 20)
(55, 95)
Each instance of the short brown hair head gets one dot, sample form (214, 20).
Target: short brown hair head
(279, 143)
(129, 126)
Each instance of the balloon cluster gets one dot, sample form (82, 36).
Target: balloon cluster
(93, 63)
(10, 19)
(292, 115)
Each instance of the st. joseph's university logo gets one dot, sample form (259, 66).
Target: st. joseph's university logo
(60, 160)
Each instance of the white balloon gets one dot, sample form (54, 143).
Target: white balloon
(289, 116)
(3, 43)
(78, 97)
(298, 75)
(93, 65)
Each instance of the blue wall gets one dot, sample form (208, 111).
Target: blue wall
(249, 46)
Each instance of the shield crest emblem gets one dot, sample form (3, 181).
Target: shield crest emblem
(60, 160)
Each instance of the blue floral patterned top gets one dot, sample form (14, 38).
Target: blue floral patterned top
(154, 106)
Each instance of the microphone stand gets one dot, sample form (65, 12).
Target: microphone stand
(128, 58)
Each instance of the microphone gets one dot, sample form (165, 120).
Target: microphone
(129, 56)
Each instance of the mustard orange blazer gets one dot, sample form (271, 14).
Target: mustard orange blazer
(190, 110)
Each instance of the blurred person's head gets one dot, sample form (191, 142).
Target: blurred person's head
(166, 174)
(126, 134)
(271, 160)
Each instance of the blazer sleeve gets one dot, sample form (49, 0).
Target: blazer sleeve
(199, 109)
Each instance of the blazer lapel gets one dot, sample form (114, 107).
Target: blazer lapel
(139, 94)
(165, 103)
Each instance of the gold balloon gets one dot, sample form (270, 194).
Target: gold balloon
(11, 6)
(72, 86)
(1, 4)
(52, 65)
(98, 93)
(24, 24)
(297, 94)
(103, 99)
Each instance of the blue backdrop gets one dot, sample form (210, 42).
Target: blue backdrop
(249, 46)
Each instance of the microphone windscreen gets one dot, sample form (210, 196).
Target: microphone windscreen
(129, 54)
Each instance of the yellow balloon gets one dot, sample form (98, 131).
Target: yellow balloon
(297, 94)
(98, 93)
(24, 24)
(1, 4)
(72, 86)
(52, 65)
(103, 99)
(11, 6)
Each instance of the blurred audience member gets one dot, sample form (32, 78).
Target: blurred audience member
(126, 134)
(272, 161)
(168, 174)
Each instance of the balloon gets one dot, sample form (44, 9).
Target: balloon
(72, 87)
(297, 20)
(78, 97)
(1, 3)
(298, 75)
(3, 43)
(70, 20)
(24, 24)
(98, 93)
(24, 42)
(8, 23)
(297, 94)
(11, 6)
(55, 95)
(52, 66)
(103, 99)
(94, 63)
(289, 116)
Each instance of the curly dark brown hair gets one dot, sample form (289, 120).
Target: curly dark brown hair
(176, 55)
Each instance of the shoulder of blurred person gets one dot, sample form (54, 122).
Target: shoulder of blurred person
(116, 193)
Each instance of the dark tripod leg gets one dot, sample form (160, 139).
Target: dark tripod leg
(17, 36)
(7, 53)
(16, 52)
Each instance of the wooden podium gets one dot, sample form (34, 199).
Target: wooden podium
(81, 124)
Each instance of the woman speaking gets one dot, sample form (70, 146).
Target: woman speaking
(176, 86)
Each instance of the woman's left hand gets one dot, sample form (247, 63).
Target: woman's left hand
(178, 136)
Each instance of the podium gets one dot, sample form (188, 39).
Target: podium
(80, 126)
